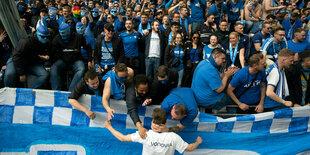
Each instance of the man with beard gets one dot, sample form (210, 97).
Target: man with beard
(259, 38)
(66, 12)
(109, 50)
(273, 45)
(138, 93)
(208, 83)
(154, 49)
(131, 46)
(248, 85)
(277, 88)
(298, 44)
(206, 29)
(291, 24)
(92, 85)
(186, 21)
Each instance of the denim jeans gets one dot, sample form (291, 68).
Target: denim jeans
(151, 64)
(57, 69)
(180, 72)
(252, 27)
(11, 78)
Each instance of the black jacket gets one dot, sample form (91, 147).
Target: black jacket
(205, 33)
(223, 37)
(169, 55)
(147, 42)
(26, 53)
(132, 101)
(82, 88)
(118, 50)
(160, 91)
(188, 48)
(294, 84)
(71, 51)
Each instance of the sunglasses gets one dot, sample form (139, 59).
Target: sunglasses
(196, 38)
(44, 37)
(111, 30)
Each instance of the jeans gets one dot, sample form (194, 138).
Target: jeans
(221, 103)
(11, 78)
(57, 69)
(180, 73)
(151, 64)
(252, 27)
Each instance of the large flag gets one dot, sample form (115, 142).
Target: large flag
(43, 122)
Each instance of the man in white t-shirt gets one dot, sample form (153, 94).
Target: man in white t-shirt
(157, 143)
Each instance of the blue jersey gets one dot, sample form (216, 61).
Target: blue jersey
(197, 11)
(290, 28)
(298, 47)
(258, 38)
(242, 80)
(234, 10)
(272, 48)
(130, 42)
(206, 80)
(184, 96)
(107, 58)
(218, 14)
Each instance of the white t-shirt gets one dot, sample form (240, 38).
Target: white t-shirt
(160, 143)
(154, 46)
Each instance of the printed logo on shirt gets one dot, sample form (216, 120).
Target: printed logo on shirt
(68, 50)
(256, 83)
(160, 144)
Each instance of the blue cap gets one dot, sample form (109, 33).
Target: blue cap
(43, 30)
(79, 24)
(64, 26)
(96, 9)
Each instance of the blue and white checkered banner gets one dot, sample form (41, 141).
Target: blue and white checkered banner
(43, 122)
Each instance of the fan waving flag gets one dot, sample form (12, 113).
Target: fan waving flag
(43, 122)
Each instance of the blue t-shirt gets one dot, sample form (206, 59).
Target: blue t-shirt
(196, 56)
(106, 58)
(218, 13)
(89, 29)
(258, 38)
(197, 11)
(206, 80)
(298, 47)
(130, 42)
(183, 96)
(234, 10)
(290, 28)
(161, 28)
(242, 80)
(272, 48)
(176, 55)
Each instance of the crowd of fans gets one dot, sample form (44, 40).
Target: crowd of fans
(253, 53)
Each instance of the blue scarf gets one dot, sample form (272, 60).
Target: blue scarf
(96, 91)
(140, 27)
(213, 63)
(185, 23)
(117, 87)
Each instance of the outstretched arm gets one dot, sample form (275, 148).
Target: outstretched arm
(193, 146)
(118, 135)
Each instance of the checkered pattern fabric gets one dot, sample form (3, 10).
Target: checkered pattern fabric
(28, 106)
